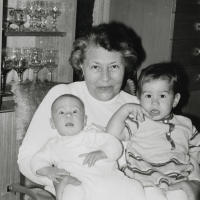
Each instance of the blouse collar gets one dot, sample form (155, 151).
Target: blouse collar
(166, 120)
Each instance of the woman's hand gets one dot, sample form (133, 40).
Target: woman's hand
(59, 187)
(93, 157)
(191, 188)
(53, 173)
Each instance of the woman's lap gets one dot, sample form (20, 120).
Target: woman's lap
(115, 187)
(153, 193)
(72, 192)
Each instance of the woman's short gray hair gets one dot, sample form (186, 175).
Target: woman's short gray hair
(111, 37)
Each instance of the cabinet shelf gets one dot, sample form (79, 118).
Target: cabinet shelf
(13, 33)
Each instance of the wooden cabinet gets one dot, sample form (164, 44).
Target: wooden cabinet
(64, 73)
(186, 40)
(186, 52)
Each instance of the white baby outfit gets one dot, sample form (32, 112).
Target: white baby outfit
(103, 181)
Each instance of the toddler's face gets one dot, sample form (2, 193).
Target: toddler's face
(158, 98)
(68, 116)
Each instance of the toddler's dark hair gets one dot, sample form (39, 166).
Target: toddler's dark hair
(164, 71)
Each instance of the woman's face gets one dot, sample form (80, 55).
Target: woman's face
(103, 72)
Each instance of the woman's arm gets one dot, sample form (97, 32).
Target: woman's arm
(38, 133)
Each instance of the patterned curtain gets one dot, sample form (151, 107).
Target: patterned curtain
(101, 12)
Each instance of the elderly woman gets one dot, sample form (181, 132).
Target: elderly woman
(103, 56)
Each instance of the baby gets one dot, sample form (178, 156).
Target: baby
(87, 153)
(164, 148)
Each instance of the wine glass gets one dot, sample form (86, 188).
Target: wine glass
(36, 61)
(8, 17)
(8, 63)
(31, 12)
(51, 59)
(55, 11)
(44, 13)
(37, 15)
(19, 18)
(23, 56)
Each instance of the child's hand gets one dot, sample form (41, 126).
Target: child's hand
(92, 157)
(137, 112)
(55, 173)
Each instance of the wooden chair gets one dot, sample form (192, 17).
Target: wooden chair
(27, 97)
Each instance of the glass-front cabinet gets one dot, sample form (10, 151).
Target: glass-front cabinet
(32, 32)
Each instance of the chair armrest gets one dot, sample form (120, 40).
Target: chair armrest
(35, 193)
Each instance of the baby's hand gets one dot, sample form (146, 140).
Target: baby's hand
(137, 112)
(92, 157)
(55, 173)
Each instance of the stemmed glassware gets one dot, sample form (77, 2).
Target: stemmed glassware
(36, 61)
(30, 10)
(55, 11)
(37, 15)
(23, 57)
(44, 14)
(19, 18)
(8, 17)
(51, 60)
(8, 63)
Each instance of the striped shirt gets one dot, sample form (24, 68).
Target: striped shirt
(158, 153)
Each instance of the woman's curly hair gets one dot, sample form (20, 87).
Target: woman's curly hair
(111, 37)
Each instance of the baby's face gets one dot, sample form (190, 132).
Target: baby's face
(158, 98)
(68, 116)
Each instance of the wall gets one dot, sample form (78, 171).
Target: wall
(152, 20)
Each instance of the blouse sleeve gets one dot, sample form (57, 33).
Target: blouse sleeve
(38, 134)
(42, 158)
(194, 142)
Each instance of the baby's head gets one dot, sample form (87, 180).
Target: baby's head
(68, 115)
(159, 89)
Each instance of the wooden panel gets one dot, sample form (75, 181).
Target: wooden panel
(192, 108)
(186, 52)
(187, 27)
(190, 8)
(8, 155)
(152, 20)
(191, 76)
(188, 2)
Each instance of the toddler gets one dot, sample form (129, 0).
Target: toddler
(87, 153)
(164, 148)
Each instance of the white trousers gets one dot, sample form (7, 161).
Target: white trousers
(153, 193)
(125, 189)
